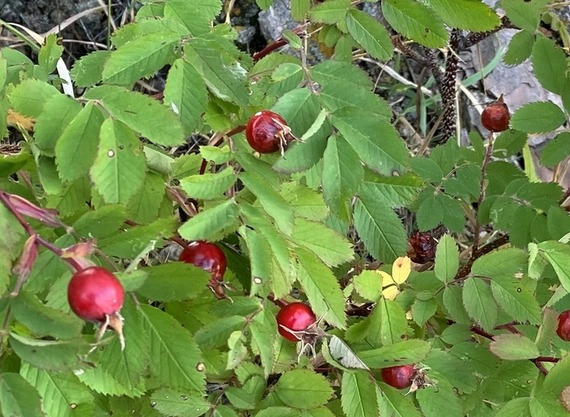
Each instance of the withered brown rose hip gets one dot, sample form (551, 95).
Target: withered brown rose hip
(422, 247)
(496, 116)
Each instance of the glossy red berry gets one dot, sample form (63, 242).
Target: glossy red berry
(496, 116)
(422, 247)
(563, 329)
(267, 132)
(398, 376)
(94, 294)
(207, 256)
(294, 317)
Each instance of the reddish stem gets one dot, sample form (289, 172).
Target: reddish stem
(268, 49)
(279, 303)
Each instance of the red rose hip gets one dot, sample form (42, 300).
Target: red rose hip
(563, 329)
(398, 376)
(267, 132)
(496, 116)
(94, 294)
(293, 318)
(210, 258)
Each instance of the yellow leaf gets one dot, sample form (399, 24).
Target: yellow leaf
(17, 120)
(390, 292)
(401, 269)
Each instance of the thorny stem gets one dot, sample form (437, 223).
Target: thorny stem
(30, 231)
(277, 44)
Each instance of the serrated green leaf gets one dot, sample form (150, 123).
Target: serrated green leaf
(453, 302)
(216, 334)
(299, 8)
(263, 336)
(516, 299)
(102, 222)
(459, 14)
(520, 48)
(208, 186)
(49, 53)
(380, 229)
(300, 108)
(19, 398)
(140, 58)
(306, 202)
(76, 148)
(369, 34)
(524, 14)
(186, 92)
(479, 303)
(416, 21)
(396, 191)
(58, 390)
(30, 96)
(179, 404)
(174, 355)
(209, 224)
(368, 284)
(143, 207)
(302, 388)
(510, 142)
(376, 142)
(322, 288)
(195, 15)
(400, 353)
(331, 247)
(119, 169)
(336, 95)
(58, 113)
(224, 76)
(538, 117)
(174, 281)
(446, 259)
(423, 310)
(141, 113)
(431, 400)
(330, 71)
(556, 150)
(358, 394)
(88, 70)
(342, 174)
(44, 321)
(104, 382)
(392, 402)
(48, 354)
(514, 347)
(558, 256)
(392, 321)
(330, 12)
(548, 62)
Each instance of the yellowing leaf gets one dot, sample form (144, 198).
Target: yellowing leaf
(18, 120)
(401, 269)
(390, 292)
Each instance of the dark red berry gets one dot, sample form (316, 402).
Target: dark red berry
(267, 132)
(295, 317)
(563, 329)
(422, 247)
(207, 256)
(94, 294)
(398, 376)
(496, 116)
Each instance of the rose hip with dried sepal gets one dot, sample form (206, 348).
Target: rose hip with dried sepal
(400, 376)
(267, 132)
(294, 320)
(211, 259)
(496, 116)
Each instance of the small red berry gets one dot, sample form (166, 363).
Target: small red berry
(496, 116)
(211, 259)
(267, 132)
(294, 317)
(94, 294)
(422, 247)
(563, 329)
(398, 376)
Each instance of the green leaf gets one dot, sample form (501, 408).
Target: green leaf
(518, 407)
(548, 62)
(331, 247)
(423, 310)
(102, 222)
(459, 14)
(88, 70)
(59, 112)
(49, 53)
(330, 12)
(400, 353)
(44, 321)
(174, 355)
(140, 58)
(306, 202)
(119, 169)
(300, 108)
(446, 259)
(208, 186)
(48, 354)
(416, 21)
(342, 174)
(432, 399)
(479, 303)
(174, 281)
(514, 347)
(368, 284)
(336, 95)
(302, 388)
(104, 382)
(299, 9)
(263, 336)
(538, 117)
(520, 48)
(392, 320)
(224, 76)
(195, 15)
(369, 34)
(524, 14)
(141, 113)
(396, 191)
(453, 302)
(144, 206)
(558, 256)
(392, 402)
(186, 92)
(330, 71)
(217, 333)
(209, 224)
(510, 142)
(358, 394)
(19, 398)
(375, 141)
(179, 404)
(76, 149)
(58, 391)
(556, 150)
(379, 228)
(321, 287)
(30, 97)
